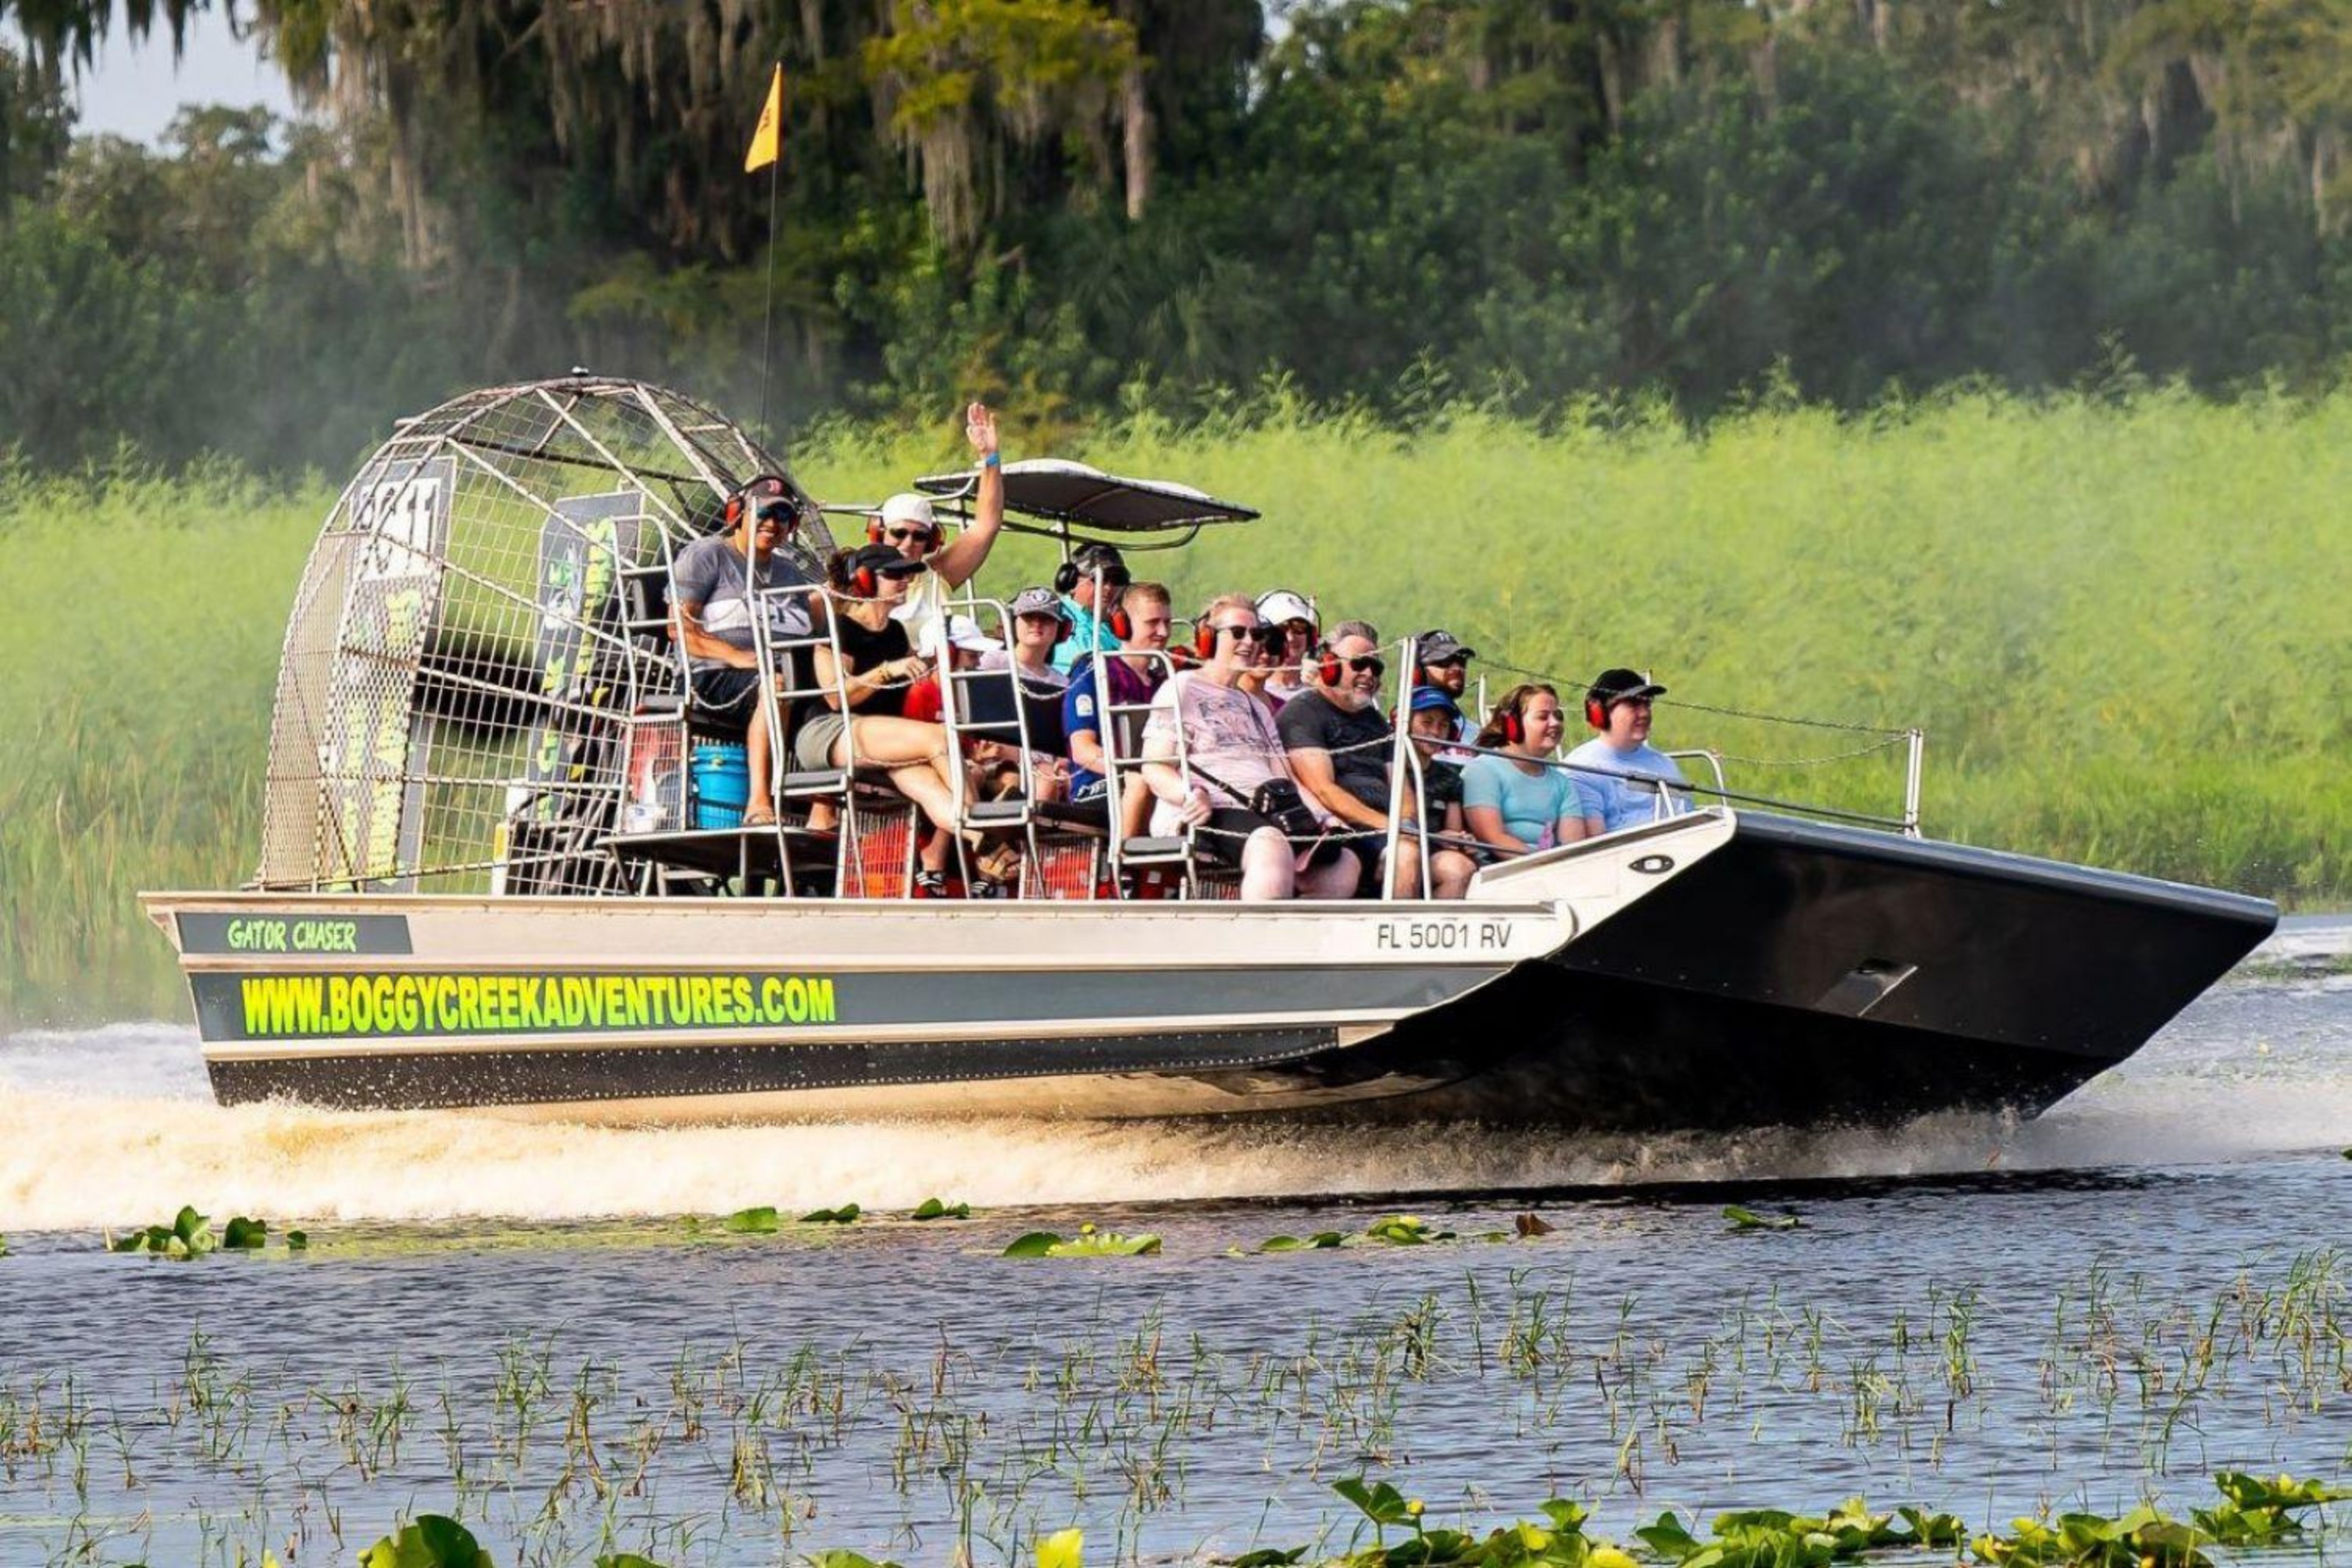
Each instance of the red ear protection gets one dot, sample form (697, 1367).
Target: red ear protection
(1596, 712)
(1513, 729)
(732, 513)
(1204, 638)
(1329, 668)
(868, 585)
(1116, 622)
(873, 530)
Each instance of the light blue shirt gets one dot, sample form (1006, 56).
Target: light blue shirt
(1619, 802)
(1086, 635)
(1532, 806)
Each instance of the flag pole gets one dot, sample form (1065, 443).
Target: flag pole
(767, 317)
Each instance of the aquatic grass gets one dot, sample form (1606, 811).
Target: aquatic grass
(2048, 586)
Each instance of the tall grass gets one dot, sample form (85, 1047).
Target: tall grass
(2119, 620)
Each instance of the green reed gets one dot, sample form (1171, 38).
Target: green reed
(2119, 621)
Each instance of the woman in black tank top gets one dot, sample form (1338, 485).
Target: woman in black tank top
(862, 716)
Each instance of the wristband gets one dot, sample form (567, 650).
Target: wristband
(995, 459)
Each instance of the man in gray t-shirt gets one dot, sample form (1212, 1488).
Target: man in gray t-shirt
(714, 584)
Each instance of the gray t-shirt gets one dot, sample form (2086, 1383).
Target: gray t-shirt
(709, 572)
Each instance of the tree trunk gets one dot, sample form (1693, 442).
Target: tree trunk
(1135, 116)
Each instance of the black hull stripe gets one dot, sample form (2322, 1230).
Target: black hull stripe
(391, 1079)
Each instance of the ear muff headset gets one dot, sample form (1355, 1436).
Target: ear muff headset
(1204, 636)
(1082, 565)
(1119, 624)
(731, 514)
(873, 530)
(866, 583)
(1328, 665)
(1510, 727)
(1596, 712)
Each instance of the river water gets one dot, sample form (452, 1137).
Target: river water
(514, 1322)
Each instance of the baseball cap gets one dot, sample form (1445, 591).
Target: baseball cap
(907, 506)
(885, 559)
(1438, 647)
(1033, 601)
(760, 491)
(1426, 698)
(965, 633)
(1620, 685)
(1277, 605)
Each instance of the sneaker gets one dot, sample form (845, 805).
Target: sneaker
(981, 887)
(930, 885)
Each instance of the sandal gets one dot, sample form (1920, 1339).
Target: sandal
(758, 817)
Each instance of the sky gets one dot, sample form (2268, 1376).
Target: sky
(135, 90)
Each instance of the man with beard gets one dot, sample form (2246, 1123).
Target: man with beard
(1625, 780)
(716, 588)
(1339, 747)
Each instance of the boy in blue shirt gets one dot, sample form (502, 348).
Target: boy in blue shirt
(1621, 776)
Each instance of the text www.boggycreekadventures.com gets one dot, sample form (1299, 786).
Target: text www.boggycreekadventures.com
(500, 1003)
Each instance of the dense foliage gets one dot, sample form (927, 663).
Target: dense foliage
(1100, 204)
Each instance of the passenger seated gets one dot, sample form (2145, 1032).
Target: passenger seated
(1512, 799)
(876, 671)
(1443, 664)
(1089, 622)
(1289, 642)
(1232, 750)
(1432, 724)
(910, 524)
(1627, 778)
(986, 687)
(1133, 674)
(713, 586)
(1340, 745)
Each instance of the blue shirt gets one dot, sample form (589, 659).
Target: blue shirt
(1618, 801)
(1086, 635)
(1532, 806)
(1128, 686)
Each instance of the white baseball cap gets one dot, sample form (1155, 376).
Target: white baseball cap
(965, 633)
(1279, 605)
(908, 506)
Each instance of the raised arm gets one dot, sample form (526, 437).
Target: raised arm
(956, 564)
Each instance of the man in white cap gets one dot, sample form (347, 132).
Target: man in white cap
(909, 525)
(1293, 615)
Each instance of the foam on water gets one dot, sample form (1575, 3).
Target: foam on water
(110, 1125)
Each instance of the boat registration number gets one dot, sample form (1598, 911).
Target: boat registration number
(1444, 936)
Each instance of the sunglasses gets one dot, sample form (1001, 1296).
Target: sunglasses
(778, 511)
(1244, 634)
(1367, 661)
(1456, 661)
(899, 536)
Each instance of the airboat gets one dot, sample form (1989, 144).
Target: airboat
(489, 877)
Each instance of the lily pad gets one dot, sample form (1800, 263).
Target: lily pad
(846, 1214)
(245, 1234)
(934, 1208)
(1747, 1219)
(431, 1541)
(761, 1221)
(1302, 1244)
(1088, 1242)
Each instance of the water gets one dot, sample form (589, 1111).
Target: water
(510, 1319)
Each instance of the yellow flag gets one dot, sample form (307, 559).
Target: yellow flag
(767, 142)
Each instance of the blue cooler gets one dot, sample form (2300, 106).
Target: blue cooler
(722, 782)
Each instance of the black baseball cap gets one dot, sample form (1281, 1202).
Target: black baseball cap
(1440, 647)
(884, 561)
(1622, 685)
(757, 495)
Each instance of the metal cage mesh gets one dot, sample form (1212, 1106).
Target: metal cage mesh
(479, 619)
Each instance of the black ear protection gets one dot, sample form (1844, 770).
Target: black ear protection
(1081, 566)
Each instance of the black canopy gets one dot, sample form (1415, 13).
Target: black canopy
(1061, 491)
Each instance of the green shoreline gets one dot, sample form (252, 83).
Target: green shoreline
(2118, 620)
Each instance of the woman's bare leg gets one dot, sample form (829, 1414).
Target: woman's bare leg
(1338, 880)
(1268, 875)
